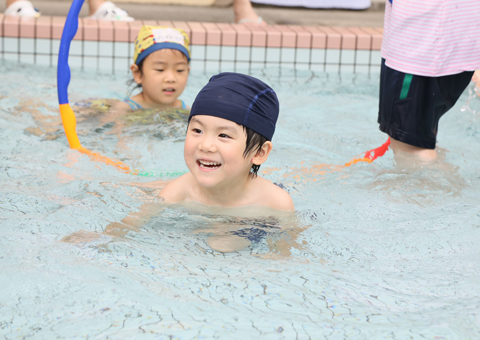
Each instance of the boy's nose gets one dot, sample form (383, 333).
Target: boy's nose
(207, 145)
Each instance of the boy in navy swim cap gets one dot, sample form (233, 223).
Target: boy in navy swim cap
(229, 136)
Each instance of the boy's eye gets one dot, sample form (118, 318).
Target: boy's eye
(179, 71)
(160, 70)
(223, 135)
(196, 130)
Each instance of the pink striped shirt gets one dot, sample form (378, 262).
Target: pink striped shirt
(432, 37)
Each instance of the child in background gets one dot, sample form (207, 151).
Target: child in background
(160, 68)
(229, 135)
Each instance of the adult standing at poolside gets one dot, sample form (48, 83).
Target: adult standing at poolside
(99, 9)
(429, 53)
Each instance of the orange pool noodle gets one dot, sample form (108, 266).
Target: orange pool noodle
(69, 125)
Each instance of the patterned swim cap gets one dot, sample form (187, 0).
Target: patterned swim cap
(154, 38)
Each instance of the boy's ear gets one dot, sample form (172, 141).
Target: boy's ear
(262, 154)
(137, 73)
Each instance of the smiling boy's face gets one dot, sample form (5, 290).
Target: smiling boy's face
(214, 150)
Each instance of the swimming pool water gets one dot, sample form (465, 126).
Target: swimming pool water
(375, 251)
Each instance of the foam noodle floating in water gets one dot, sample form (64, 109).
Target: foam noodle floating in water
(321, 169)
(63, 80)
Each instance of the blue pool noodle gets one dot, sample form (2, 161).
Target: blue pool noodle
(69, 31)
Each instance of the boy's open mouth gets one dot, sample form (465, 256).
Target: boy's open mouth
(169, 89)
(208, 164)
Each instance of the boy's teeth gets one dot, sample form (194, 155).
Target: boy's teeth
(209, 164)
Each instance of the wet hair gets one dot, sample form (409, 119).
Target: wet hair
(254, 143)
(132, 85)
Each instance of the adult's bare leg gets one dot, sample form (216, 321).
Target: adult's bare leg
(244, 13)
(400, 148)
(93, 5)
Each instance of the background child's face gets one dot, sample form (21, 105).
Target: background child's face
(163, 76)
(214, 151)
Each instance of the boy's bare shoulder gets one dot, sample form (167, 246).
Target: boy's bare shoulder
(274, 196)
(175, 191)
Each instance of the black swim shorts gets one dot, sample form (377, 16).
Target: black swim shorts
(411, 106)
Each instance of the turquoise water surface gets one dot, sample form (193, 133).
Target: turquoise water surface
(374, 251)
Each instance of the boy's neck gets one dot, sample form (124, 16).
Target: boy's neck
(228, 194)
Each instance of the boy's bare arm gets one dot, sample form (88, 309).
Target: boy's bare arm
(156, 185)
(146, 211)
(134, 220)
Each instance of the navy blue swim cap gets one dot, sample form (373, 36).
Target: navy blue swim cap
(241, 99)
